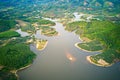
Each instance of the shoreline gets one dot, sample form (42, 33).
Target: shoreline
(89, 60)
(80, 39)
(101, 62)
(102, 65)
(22, 68)
(43, 47)
(1, 67)
(58, 34)
(76, 45)
(51, 35)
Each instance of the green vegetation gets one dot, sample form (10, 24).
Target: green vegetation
(45, 22)
(28, 28)
(106, 33)
(6, 25)
(48, 31)
(76, 25)
(14, 55)
(25, 26)
(14, 52)
(57, 8)
(39, 21)
(111, 56)
(9, 34)
(6, 75)
(10, 55)
(91, 46)
(30, 25)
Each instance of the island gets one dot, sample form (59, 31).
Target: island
(32, 25)
(41, 44)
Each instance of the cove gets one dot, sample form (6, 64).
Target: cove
(55, 61)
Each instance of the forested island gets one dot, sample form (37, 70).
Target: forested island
(100, 33)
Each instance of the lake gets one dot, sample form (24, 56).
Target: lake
(61, 60)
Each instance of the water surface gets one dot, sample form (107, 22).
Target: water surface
(55, 61)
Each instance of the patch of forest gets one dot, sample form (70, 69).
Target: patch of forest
(103, 35)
